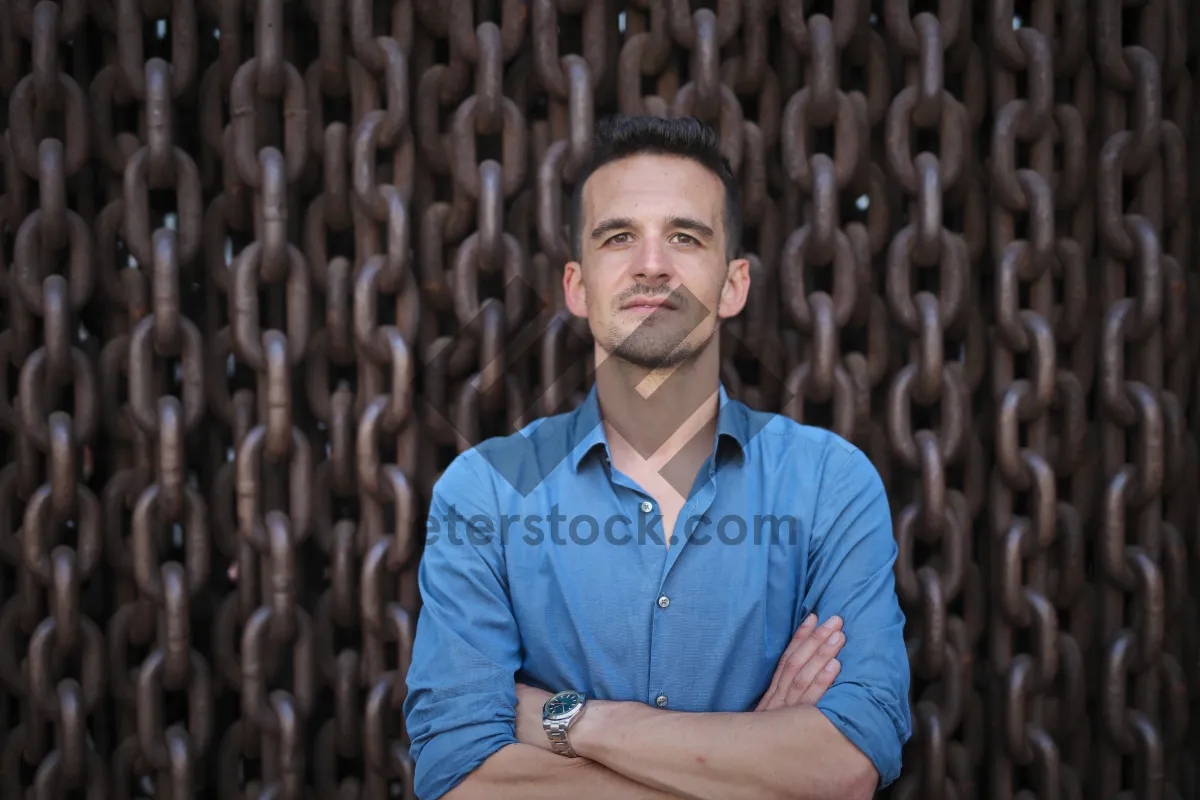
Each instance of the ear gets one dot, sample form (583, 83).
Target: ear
(735, 290)
(574, 291)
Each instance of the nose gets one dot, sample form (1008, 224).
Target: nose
(653, 265)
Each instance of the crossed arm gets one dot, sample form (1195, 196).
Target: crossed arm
(476, 734)
(628, 749)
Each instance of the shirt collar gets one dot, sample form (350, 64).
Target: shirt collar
(587, 429)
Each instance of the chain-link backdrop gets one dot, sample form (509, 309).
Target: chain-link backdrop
(267, 265)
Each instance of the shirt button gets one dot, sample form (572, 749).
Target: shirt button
(664, 601)
(661, 701)
(647, 506)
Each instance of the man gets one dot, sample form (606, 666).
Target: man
(657, 559)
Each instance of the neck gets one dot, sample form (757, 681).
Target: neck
(658, 412)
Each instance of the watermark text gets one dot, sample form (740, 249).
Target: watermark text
(582, 530)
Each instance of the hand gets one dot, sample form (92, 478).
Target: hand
(808, 666)
(529, 716)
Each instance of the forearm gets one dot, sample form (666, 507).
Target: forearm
(525, 772)
(791, 753)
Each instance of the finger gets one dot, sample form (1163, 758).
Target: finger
(827, 652)
(803, 632)
(813, 667)
(801, 656)
(792, 663)
(821, 682)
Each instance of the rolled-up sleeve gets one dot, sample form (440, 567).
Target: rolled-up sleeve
(460, 706)
(851, 558)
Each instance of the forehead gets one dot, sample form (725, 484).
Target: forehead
(649, 186)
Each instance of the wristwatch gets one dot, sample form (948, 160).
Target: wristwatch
(559, 713)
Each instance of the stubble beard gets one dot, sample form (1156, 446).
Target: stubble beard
(663, 340)
(656, 344)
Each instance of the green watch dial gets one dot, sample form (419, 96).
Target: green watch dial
(562, 704)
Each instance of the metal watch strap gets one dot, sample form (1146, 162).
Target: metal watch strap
(556, 730)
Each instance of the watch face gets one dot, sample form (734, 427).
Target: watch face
(562, 704)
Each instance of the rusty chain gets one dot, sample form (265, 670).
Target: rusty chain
(1140, 194)
(267, 266)
(934, 385)
(1036, 542)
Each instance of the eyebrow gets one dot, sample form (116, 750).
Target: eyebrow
(687, 223)
(690, 224)
(611, 224)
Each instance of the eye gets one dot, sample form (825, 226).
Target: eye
(620, 238)
(684, 238)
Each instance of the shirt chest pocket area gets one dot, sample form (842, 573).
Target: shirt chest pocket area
(576, 610)
(736, 613)
(785, 582)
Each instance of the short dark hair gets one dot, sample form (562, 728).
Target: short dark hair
(619, 137)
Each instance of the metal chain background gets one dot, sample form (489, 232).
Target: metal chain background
(266, 266)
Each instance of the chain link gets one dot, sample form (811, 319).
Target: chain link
(266, 267)
(1143, 291)
(60, 679)
(1038, 551)
(928, 400)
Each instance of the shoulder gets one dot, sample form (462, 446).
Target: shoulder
(518, 461)
(777, 440)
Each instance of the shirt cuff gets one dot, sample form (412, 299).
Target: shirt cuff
(868, 726)
(449, 757)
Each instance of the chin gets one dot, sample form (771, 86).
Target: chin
(658, 349)
(649, 357)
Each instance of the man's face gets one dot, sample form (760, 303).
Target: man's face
(653, 280)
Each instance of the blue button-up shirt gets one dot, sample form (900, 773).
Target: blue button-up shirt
(545, 564)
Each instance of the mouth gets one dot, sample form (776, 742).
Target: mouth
(646, 305)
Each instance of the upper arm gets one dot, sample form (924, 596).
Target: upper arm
(460, 706)
(850, 574)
